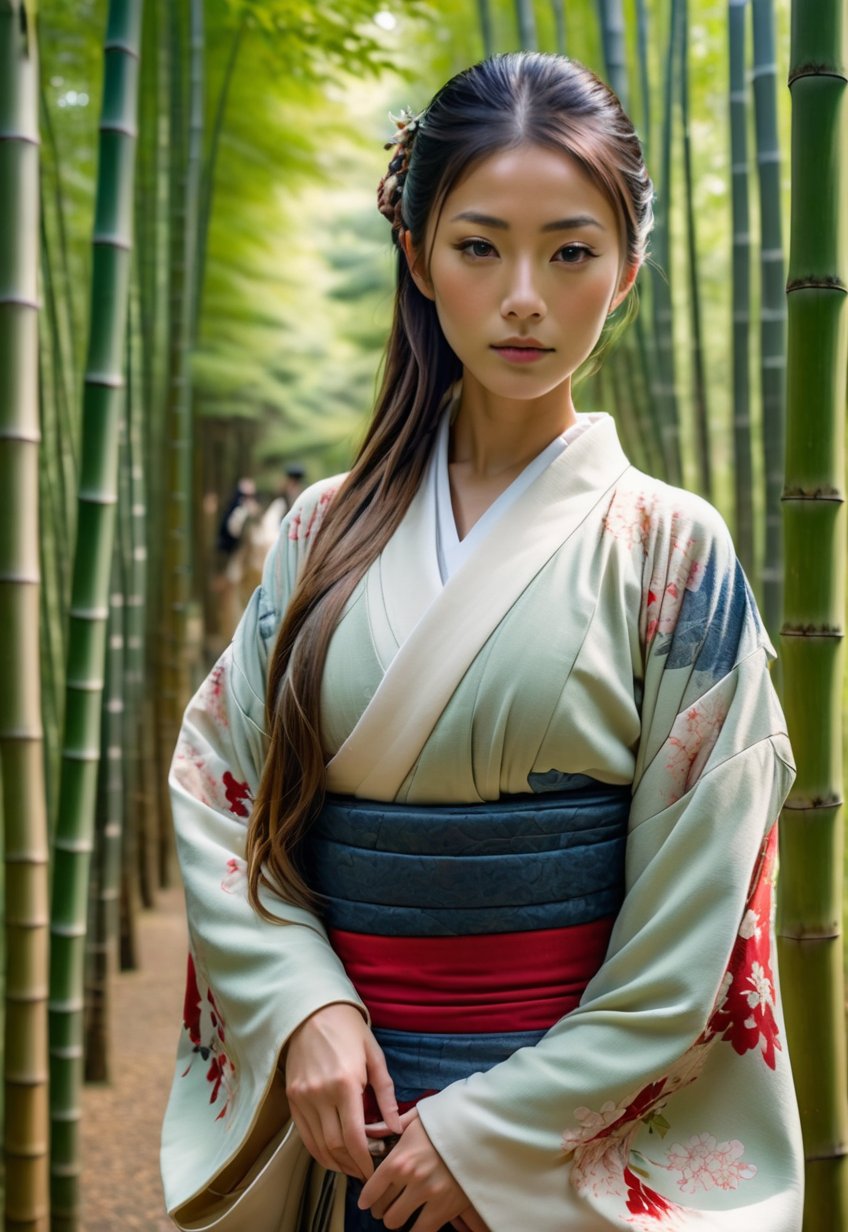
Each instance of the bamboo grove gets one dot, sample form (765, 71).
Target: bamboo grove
(194, 287)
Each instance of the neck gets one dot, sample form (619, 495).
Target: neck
(492, 435)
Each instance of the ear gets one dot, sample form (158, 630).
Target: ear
(625, 286)
(413, 261)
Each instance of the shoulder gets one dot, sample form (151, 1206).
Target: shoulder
(306, 514)
(288, 552)
(659, 518)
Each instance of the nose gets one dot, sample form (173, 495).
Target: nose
(522, 297)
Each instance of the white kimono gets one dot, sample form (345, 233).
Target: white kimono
(601, 627)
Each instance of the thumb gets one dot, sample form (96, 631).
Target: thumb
(382, 1085)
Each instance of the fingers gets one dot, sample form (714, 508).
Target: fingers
(351, 1121)
(324, 1138)
(382, 1085)
(379, 1129)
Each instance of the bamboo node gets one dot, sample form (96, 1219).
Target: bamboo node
(800, 804)
(815, 68)
(826, 282)
(811, 631)
(822, 493)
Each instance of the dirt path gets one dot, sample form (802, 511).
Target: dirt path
(120, 1128)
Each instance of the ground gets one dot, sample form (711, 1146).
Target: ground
(120, 1127)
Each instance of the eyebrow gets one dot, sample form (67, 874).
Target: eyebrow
(561, 224)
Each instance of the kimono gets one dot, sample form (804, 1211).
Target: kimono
(599, 638)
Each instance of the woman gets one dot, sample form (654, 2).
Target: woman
(514, 787)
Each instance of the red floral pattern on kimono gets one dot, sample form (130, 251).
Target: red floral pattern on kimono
(745, 1015)
(205, 1027)
(600, 1147)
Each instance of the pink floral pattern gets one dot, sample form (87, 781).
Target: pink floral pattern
(631, 517)
(665, 593)
(705, 1164)
(211, 695)
(205, 1027)
(691, 740)
(304, 529)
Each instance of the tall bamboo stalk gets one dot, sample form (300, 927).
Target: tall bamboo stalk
(696, 338)
(526, 25)
(812, 844)
(184, 223)
(666, 387)
(743, 481)
(773, 309)
(22, 785)
(644, 78)
(138, 755)
(105, 878)
(102, 401)
(611, 22)
(558, 7)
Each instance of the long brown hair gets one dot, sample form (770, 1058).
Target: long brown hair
(505, 101)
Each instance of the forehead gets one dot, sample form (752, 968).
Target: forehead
(526, 187)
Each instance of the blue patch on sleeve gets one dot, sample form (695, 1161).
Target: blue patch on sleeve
(712, 621)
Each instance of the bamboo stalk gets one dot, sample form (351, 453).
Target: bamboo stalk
(103, 396)
(184, 220)
(666, 386)
(23, 801)
(696, 339)
(611, 23)
(104, 890)
(558, 7)
(743, 480)
(526, 19)
(812, 638)
(773, 308)
(136, 762)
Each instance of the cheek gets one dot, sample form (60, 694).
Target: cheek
(458, 297)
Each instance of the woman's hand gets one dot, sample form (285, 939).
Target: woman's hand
(329, 1061)
(413, 1175)
(470, 1221)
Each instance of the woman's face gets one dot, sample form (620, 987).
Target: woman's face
(525, 248)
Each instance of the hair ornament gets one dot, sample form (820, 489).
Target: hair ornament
(390, 188)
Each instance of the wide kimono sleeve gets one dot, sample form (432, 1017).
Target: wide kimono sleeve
(250, 982)
(665, 1099)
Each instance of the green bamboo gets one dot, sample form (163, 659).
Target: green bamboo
(147, 416)
(138, 757)
(743, 479)
(558, 7)
(611, 22)
(773, 309)
(23, 802)
(184, 221)
(526, 19)
(812, 843)
(102, 400)
(53, 547)
(642, 38)
(663, 312)
(484, 13)
(105, 876)
(696, 341)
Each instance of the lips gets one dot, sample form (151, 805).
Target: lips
(520, 344)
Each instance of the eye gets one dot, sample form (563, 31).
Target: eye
(475, 248)
(576, 254)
